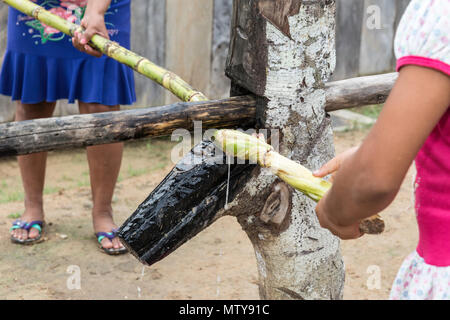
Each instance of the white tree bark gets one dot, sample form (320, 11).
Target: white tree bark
(296, 258)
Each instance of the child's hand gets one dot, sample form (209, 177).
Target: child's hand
(332, 166)
(344, 232)
(93, 24)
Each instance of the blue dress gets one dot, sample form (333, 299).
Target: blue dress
(41, 64)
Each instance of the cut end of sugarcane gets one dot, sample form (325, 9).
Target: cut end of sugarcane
(373, 225)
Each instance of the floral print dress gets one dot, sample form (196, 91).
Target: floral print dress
(41, 64)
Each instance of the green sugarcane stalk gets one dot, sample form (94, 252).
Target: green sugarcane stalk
(247, 147)
(112, 49)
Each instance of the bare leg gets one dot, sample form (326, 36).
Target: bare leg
(32, 169)
(104, 166)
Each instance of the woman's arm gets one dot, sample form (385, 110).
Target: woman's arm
(93, 23)
(369, 179)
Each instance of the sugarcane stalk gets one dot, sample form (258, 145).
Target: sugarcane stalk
(250, 148)
(246, 147)
(112, 49)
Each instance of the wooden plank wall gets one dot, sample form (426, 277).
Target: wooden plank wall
(149, 39)
(362, 48)
(6, 110)
(192, 40)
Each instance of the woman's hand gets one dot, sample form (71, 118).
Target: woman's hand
(93, 24)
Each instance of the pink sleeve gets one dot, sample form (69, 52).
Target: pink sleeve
(423, 62)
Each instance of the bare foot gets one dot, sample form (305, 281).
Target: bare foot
(29, 215)
(103, 222)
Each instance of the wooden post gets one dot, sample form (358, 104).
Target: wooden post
(284, 52)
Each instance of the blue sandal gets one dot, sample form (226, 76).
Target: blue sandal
(110, 235)
(19, 224)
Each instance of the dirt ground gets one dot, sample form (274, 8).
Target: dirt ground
(217, 264)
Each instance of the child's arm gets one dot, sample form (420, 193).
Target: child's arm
(370, 177)
(93, 23)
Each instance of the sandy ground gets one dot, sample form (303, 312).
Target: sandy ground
(218, 264)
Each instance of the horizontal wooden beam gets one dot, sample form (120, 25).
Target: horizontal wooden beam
(25, 137)
(358, 92)
(19, 138)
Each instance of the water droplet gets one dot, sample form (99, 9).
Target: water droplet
(228, 182)
(143, 272)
